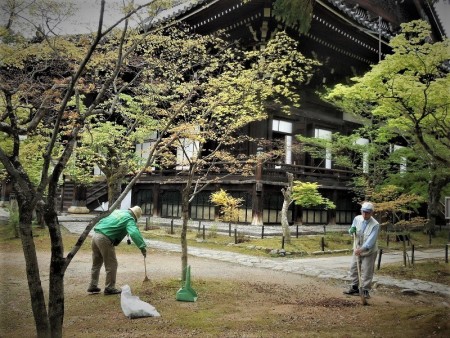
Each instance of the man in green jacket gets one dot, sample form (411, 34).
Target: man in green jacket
(109, 232)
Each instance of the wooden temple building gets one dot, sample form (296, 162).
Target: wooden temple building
(347, 37)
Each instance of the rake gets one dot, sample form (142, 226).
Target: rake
(358, 265)
(146, 279)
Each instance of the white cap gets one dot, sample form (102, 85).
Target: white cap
(367, 207)
(137, 211)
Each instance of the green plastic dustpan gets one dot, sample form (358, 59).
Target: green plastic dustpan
(186, 293)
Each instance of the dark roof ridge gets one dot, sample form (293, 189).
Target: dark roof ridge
(177, 11)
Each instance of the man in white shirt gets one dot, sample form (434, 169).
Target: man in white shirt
(366, 229)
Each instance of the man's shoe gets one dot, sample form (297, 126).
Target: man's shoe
(112, 291)
(352, 291)
(366, 294)
(94, 289)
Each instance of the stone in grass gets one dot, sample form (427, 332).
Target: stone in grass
(411, 292)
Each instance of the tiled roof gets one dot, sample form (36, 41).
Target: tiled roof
(174, 12)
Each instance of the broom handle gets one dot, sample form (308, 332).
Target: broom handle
(145, 266)
(358, 265)
(357, 260)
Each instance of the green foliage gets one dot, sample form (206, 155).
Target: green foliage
(20, 55)
(404, 99)
(307, 195)
(374, 163)
(167, 88)
(393, 203)
(214, 89)
(294, 13)
(8, 36)
(32, 156)
(406, 94)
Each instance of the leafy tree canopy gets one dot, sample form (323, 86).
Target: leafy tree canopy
(405, 100)
(229, 205)
(307, 195)
(294, 13)
(406, 94)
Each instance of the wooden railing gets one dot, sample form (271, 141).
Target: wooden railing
(270, 172)
(275, 170)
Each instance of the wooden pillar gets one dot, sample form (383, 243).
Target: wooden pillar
(331, 217)
(156, 191)
(257, 204)
(257, 198)
(331, 213)
(216, 213)
(298, 214)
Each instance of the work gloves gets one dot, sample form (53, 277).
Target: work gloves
(144, 252)
(352, 230)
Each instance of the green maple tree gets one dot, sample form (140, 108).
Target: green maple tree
(406, 98)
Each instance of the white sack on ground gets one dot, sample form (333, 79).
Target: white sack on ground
(133, 307)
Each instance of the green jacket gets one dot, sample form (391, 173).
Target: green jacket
(117, 225)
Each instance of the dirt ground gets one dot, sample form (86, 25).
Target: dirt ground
(234, 301)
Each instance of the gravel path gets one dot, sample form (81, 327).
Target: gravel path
(334, 267)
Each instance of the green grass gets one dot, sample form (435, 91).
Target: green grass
(418, 239)
(436, 271)
(304, 245)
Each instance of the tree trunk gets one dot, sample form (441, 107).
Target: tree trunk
(40, 218)
(285, 222)
(114, 190)
(14, 216)
(56, 297)
(32, 269)
(185, 218)
(435, 186)
(3, 192)
(57, 271)
(287, 194)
